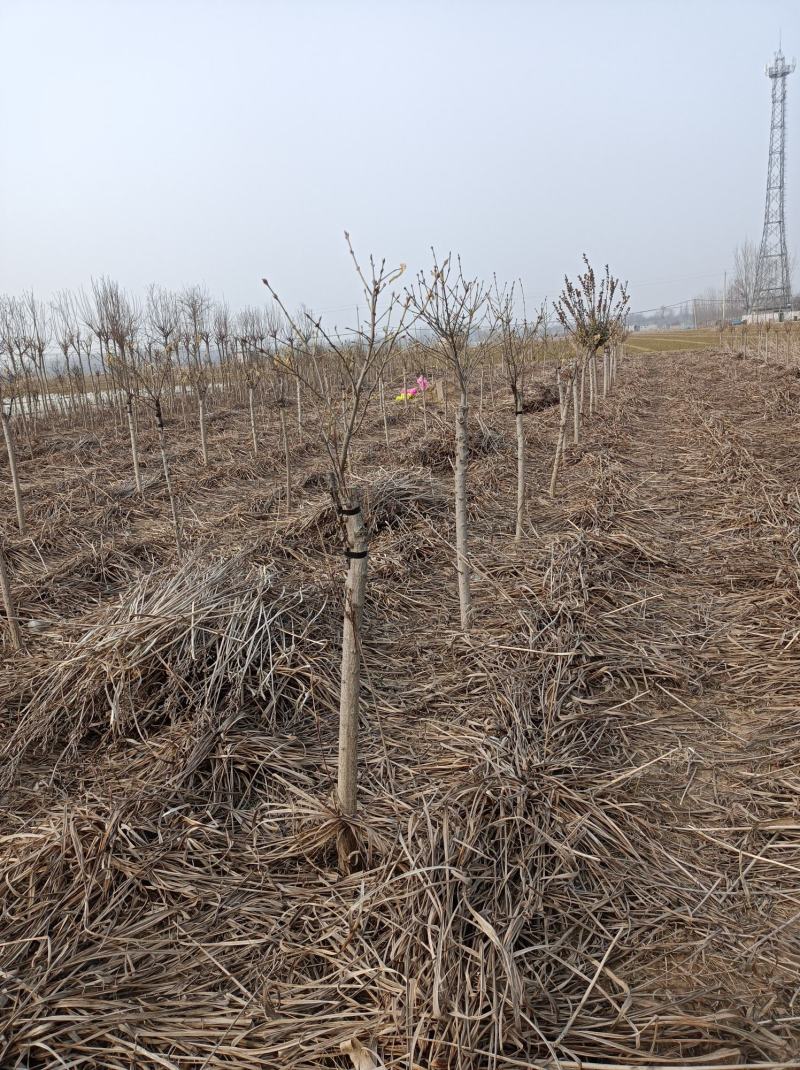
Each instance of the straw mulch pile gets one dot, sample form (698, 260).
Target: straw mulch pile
(579, 830)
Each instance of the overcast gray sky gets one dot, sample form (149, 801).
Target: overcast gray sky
(217, 141)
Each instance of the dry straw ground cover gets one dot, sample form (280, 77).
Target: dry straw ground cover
(580, 825)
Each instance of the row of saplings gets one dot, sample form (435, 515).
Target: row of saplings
(459, 319)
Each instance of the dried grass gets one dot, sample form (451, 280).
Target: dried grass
(579, 831)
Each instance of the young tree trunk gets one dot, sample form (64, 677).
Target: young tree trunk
(12, 465)
(8, 603)
(520, 472)
(462, 560)
(589, 370)
(299, 410)
(137, 478)
(162, 445)
(355, 589)
(201, 404)
(576, 410)
(288, 460)
(252, 420)
(562, 430)
(605, 373)
(383, 412)
(424, 410)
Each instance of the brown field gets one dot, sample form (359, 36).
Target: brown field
(581, 826)
(673, 341)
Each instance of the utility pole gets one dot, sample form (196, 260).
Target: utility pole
(724, 292)
(773, 291)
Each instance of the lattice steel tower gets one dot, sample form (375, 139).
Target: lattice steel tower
(773, 290)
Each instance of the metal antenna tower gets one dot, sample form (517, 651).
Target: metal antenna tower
(773, 291)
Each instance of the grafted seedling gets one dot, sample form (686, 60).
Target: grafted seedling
(340, 377)
(517, 340)
(153, 371)
(116, 320)
(8, 601)
(8, 395)
(591, 312)
(454, 310)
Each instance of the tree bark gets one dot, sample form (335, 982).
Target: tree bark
(162, 445)
(520, 474)
(576, 411)
(562, 430)
(8, 602)
(252, 420)
(355, 589)
(383, 412)
(137, 477)
(288, 460)
(462, 560)
(590, 370)
(12, 465)
(201, 404)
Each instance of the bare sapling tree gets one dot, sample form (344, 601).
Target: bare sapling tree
(591, 313)
(116, 321)
(7, 397)
(305, 319)
(39, 335)
(154, 372)
(618, 336)
(8, 600)
(340, 419)
(251, 371)
(249, 364)
(517, 342)
(66, 331)
(284, 359)
(195, 307)
(455, 310)
(741, 289)
(565, 378)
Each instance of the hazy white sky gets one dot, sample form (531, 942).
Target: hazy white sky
(217, 141)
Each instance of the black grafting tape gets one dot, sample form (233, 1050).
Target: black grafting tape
(350, 512)
(355, 553)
